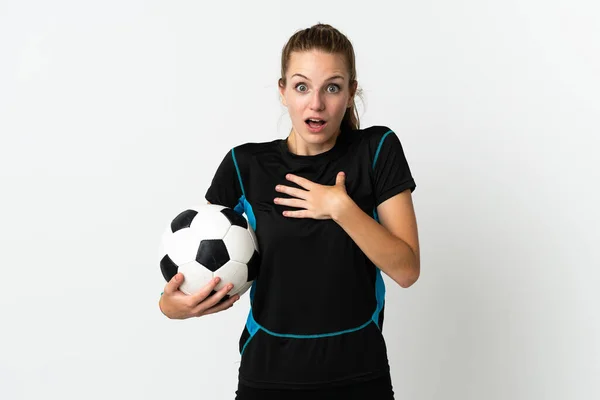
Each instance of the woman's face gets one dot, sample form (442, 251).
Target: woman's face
(317, 88)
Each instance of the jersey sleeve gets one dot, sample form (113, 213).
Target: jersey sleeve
(225, 189)
(391, 172)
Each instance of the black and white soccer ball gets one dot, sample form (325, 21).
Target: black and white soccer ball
(206, 241)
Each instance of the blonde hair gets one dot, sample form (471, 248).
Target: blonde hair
(330, 40)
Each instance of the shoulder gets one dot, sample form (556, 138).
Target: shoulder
(250, 149)
(372, 138)
(376, 134)
(242, 156)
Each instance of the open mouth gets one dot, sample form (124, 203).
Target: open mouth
(315, 123)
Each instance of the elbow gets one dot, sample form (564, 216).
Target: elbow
(410, 271)
(410, 277)
(408, 282)
(407, 269)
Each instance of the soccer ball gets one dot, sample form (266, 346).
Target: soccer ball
(206, 241)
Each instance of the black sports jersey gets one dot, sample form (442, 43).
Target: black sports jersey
(317, 304)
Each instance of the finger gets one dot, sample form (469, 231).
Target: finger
(223, 306)
(173, 285)
(301, 194)
(340, 179)
(213, 300)
(205, 291)
(290, 202)
(305, 183)
(297, 214)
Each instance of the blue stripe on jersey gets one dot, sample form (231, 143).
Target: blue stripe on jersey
(253, 327)
(316, 336)
(237, 168)
(243, 206)
(379, 295)
(379, 147)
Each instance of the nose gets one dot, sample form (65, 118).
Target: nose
(316, 102)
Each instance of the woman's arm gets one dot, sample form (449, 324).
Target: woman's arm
(393, 244)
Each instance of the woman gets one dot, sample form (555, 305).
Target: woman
(331, 207)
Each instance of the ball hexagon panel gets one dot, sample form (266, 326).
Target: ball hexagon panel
(210, 224)
(195, 277)
(236, 240)
(212, 254)
(182, 246)
(232, 272)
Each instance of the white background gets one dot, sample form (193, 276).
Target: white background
(114, 115)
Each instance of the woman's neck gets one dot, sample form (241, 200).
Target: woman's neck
(299, 147)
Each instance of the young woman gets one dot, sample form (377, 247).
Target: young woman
(331, 207)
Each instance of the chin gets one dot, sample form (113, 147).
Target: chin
(316, 138)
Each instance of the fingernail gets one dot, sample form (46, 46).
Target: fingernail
(229, 287)
(217, 279)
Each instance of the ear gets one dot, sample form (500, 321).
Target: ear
(353, 88)
(281, 92)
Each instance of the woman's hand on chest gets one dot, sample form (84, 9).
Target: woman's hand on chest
(313, 200)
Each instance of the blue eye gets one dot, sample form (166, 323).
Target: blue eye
(337, 88)
(300, 84)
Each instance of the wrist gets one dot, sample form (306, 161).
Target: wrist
(343, 208)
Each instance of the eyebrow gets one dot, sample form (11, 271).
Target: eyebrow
(329, 79)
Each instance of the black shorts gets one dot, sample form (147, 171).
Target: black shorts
(376, 389)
